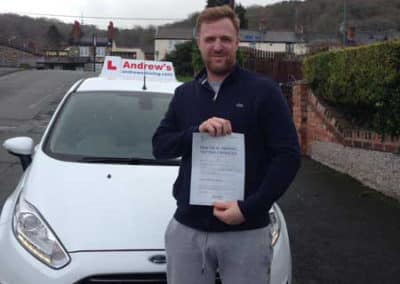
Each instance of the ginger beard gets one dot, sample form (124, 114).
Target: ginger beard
(219, 63)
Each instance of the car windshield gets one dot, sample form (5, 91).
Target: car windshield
(92, 126)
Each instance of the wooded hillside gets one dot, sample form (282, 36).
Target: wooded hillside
(316, 16)
(326, 16)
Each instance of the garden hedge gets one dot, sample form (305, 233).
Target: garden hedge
(361, 82)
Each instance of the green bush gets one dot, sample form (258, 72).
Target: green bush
(197, 61)
(362, 82)
(181, 57)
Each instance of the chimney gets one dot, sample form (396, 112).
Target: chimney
(111, 32)
(351, 32)
(262, 26)
(299, 29)
(76, 32)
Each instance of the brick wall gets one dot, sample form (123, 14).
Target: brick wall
(365, 155)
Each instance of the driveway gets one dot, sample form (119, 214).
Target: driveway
(341, 231)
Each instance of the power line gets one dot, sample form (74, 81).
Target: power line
(101, 17)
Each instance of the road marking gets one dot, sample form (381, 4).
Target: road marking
(7, 127)
(39, 102)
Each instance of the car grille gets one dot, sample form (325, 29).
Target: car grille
(138, 278)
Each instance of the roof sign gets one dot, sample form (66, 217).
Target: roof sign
(115, 67)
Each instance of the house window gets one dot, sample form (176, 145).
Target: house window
(289, 47)
(84, 51)
(171, 45)
(100, 51)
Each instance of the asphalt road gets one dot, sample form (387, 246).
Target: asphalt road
(341, 232)
(27, 100)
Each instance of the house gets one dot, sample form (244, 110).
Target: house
(87, 50)
(127, 52)
(318, 42)
(363, 37)
(86, 44)
(274, 41)
(326, 42)
(79, 56)
(167, 38)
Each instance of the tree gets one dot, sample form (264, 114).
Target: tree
(182, 58)
(241, 13)
(54, 37)
(197, 61)
(213, 3)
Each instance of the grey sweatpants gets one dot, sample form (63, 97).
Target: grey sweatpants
(194, 256)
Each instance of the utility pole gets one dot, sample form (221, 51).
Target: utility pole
(344, 22)
(94, 52)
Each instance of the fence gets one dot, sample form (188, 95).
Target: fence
(280, 66)
(284, 68)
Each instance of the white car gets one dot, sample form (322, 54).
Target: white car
(92, 205)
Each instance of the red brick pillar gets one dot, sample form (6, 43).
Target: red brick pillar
(300, 115)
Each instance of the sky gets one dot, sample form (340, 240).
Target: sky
(136, 10)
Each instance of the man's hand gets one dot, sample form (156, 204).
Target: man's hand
(228, 212)
(216, 126)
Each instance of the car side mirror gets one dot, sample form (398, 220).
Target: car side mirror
(22, 147)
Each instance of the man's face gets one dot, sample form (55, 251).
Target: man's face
(218, 42)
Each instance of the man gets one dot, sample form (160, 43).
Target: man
(233, 236)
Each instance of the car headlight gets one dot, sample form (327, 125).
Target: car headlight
(275, 226)
(36, 237)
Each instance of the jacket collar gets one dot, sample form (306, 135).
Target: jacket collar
(201, 78)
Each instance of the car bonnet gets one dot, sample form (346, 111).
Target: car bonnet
(102, 206)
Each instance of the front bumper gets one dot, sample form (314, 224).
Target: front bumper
(17, 266)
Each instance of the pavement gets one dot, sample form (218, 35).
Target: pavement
(7, 70)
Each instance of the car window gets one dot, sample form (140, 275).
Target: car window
(107, 124)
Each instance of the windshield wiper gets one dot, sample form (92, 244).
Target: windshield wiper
(128, 161)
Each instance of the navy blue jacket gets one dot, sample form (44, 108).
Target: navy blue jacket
(255, 106)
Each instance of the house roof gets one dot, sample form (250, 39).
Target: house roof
(368, 37)
(174, 33)
(322, 38)
(88, 41)
(360, 37)
(245, 35)
(269, 36)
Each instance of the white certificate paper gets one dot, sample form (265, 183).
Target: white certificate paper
(218, 168)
